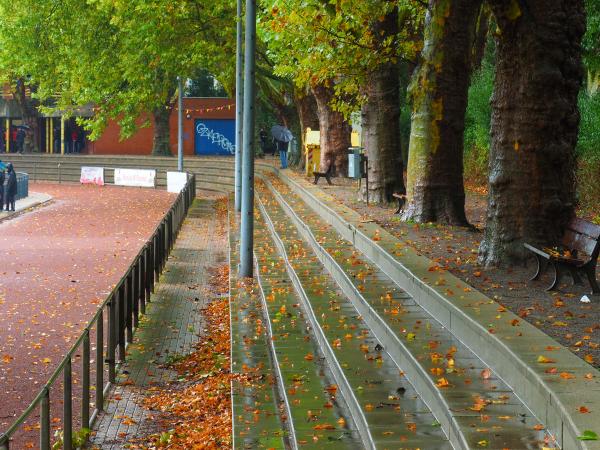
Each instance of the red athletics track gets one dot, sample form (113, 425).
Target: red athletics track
(57, 264)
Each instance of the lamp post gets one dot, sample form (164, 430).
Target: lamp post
(247, 219)
(239, 108)
(180, 126)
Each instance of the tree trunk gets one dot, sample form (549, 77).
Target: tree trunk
(162, 131)
(307, 115)
(29, 115)
(335, 132)
(439, 92)
(381, 124)
(481, 37)
(534, 126)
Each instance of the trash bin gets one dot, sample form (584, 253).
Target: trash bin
(354, 162)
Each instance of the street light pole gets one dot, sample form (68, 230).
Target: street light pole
(180, 126)
(239, 108)
(247, 219)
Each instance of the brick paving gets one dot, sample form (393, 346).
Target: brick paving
(171, 327)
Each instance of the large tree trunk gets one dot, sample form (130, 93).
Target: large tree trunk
(335, 132)
(481, 38)
(161, 145)
(307, 115)
(381, 123)
(534, 126)
(439, 92)
(29, 115)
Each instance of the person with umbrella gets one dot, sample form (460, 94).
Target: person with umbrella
(282, 137)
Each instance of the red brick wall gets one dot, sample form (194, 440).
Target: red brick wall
(141, 142)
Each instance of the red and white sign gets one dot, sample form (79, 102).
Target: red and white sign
(135, 177)
(92, 175)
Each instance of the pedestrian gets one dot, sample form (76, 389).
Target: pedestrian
(74, 141)
(2, 178)
(11, 187)
(20, 139)
(13, 139)
(282, 147)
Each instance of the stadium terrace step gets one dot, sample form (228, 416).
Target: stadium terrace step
(466, 397)
(554, 391)
(257, 418)
(394, 414)
(319, 416)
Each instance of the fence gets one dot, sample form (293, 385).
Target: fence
(120, 313)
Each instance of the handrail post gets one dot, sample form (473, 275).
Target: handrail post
(45, 420)
(127, 285)
(112, 337)
(85, 381)
(135, 277)
(100, 362)
(143, 275)
(67, 406)
(121, 322)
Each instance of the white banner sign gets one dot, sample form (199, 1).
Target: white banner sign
(135, 177)
(92, 175)
(176, 181)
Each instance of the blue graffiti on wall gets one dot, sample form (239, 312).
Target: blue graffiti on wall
(215, 137)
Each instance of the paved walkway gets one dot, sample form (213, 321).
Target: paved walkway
(34, 199)
(169, 329)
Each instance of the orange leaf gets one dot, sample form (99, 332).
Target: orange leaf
(583, 410)
(567, 375)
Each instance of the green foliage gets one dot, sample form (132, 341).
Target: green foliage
(588, 146)
(78, 440)
(591, 40)
(124, 57)
(203, 84)
(332, 42)
(477, 124)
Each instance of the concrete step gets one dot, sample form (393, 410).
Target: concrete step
(511, 352)
(377, 391)
(257, 420)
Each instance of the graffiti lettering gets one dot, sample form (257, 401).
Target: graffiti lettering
(215, 137)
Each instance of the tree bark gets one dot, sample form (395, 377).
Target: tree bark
(381, 123)
(335, 132)
(481, 37)
(534, 126)
(161, 145)
(307, 115)
(29, 115)
(439, 91)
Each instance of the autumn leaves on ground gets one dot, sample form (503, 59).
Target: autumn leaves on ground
(59, 263)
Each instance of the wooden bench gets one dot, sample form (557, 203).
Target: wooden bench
(577, 253)
(401, 201)
(327, 175)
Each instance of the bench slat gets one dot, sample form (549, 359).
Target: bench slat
(584, 227)
(584, 245)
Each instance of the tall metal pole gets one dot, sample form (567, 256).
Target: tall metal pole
(247, 225)
(180, 126)
(239, 107)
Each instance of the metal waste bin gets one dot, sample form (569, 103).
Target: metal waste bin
(354, 162)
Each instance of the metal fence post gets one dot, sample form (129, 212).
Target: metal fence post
(67, 406)
(135, 279)
(128, 307)
(85, 381)
(121, 322)
(143, 282)
(112, 337)
(100, 362)
(45, 420)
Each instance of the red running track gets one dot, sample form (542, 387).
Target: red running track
(57, 264)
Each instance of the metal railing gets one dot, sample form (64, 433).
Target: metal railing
(120, 312)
